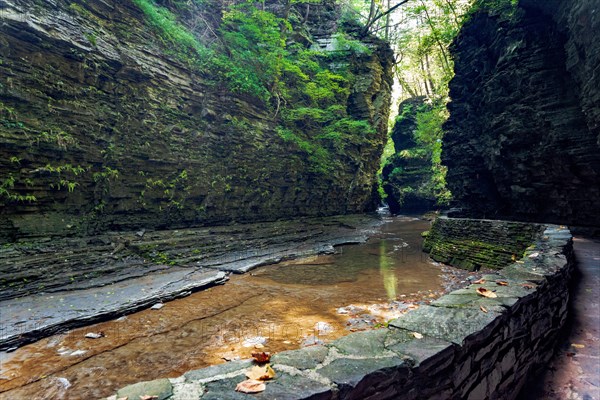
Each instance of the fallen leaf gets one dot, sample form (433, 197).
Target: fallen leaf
(514, 257)
(123, 398)
(534, 255)
(479, 281)
(483, 309)
(259, 373)
(261, 357)
(577, 345)
(417, 335)
(147, 397)
(502, 283)
(250, 386)
(527, 286)
(486, 293)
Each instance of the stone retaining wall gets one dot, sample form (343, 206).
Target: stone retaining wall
(474, 243)
(462, 346)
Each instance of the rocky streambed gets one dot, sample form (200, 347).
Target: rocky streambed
(292, 304)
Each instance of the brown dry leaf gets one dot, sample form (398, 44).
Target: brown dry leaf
(527, 286)
(577, 345)
(417, 335)
(486, 293)
(148, 397)
(479, 281)
(259, 373)
(502, 283)
(250, 386)
(261, 357)
(483, 309)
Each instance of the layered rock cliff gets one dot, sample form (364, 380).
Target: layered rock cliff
(102, 127)
(523, 138)
(405, 179)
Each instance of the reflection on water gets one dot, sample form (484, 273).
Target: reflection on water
(276, 308)
(387, 271)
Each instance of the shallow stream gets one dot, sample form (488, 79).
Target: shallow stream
(272, 308)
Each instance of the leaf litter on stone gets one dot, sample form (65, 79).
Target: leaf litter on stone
(483, 309)
(479, 281)
(501, 283)
(417, 335)
(250, 386)
(486, 293)
(261, 373)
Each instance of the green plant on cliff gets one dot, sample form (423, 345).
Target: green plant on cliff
(425, 67)
(429, 134)
(252, 53)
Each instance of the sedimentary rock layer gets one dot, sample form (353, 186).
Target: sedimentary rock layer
(522, 140)
(103, 127)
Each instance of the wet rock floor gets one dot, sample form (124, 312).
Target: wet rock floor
(273, 308)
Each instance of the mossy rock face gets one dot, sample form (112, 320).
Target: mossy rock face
(403, 178)
(471, 244)
(97, 134)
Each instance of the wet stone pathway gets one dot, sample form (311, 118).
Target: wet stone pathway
(574, 372)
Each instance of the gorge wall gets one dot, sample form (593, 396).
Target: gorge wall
(405, 179)
(103, 127)
(523, 137)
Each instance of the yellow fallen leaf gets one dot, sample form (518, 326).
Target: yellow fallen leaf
(417, 335)
(483, 309)
(261, 373)
(250, 386)
(502, 283)
(486, 293)
(577, 345)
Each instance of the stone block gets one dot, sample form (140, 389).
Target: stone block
(161, 388)
(306, 358)
(451, 324)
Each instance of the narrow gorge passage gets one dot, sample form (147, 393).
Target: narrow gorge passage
(273, 308)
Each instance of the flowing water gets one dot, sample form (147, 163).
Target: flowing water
(274, 308)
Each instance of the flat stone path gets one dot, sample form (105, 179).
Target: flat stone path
(574, 372)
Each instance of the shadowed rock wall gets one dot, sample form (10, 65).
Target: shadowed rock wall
(102, 128)
(522, 141)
